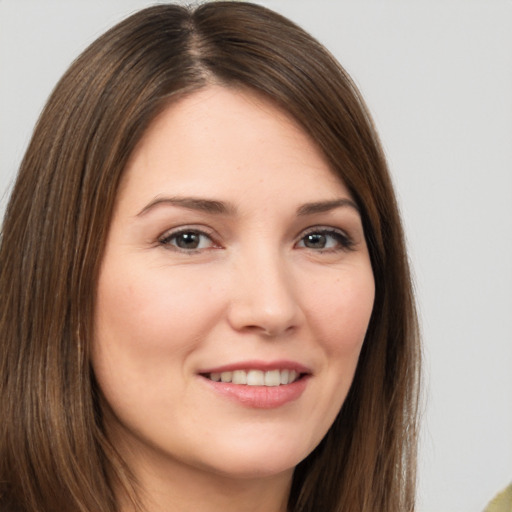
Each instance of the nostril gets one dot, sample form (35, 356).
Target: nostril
(269, 331)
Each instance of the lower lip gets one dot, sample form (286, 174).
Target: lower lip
(260, 397)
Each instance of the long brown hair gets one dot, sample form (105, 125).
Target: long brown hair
(54, 454)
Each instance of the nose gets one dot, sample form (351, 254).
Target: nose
(263, 296)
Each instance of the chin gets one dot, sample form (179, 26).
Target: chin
(250, 469)
(259, 459)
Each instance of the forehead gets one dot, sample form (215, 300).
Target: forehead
(229, 142)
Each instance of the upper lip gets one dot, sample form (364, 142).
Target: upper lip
(264, 366)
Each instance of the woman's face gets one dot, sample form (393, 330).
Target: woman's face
(234, 294)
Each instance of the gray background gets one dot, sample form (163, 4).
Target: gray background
(437, 76)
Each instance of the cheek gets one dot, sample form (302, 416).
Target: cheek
(155, 310)
(342, 312)
(339, 312)
(146, 324)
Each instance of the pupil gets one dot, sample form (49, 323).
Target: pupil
(315, 241)
(188, 240)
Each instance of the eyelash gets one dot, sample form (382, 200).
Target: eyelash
(343, 241)
(166, 239)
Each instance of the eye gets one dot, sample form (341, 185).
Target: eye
(187, 240)
(322, 239)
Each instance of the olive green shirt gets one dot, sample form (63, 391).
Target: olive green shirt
(502, 502)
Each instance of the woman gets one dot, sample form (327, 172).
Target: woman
(212, 307)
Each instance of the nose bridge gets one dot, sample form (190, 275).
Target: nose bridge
(263, 297)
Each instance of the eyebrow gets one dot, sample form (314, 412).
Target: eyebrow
(224, 208)
(325, 206)
(191, 203)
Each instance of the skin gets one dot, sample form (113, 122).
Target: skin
(269, 280)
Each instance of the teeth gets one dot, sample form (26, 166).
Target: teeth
(272, 378)
(256, 377)
(239, 377)
(226, 376)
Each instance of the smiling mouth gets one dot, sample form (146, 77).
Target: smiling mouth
(271, 378)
